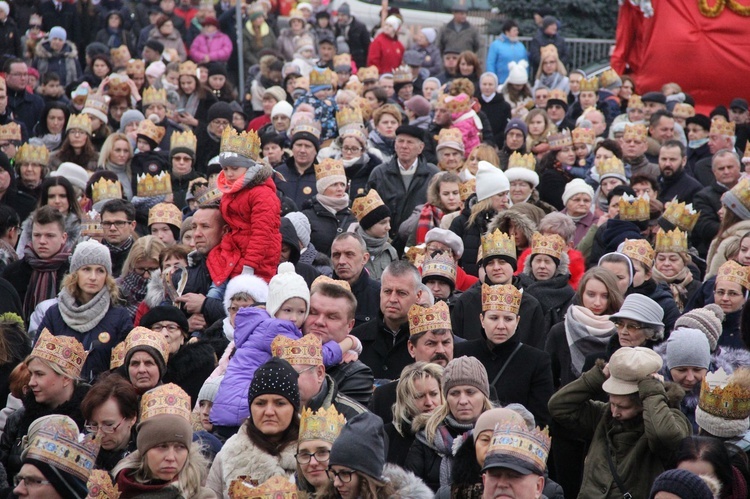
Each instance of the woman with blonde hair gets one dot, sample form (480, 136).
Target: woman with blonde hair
(551, 72)
(115, 156)
(482, 152)
(442, 198)
(540, 127)
(142, 262)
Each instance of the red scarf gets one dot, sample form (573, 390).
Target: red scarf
(429, 218)
(130, 488)
(43, 277)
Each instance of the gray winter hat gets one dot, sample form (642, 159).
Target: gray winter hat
(642, 309)
(91, 252)
(688, 348)
(301, 226)
(361, 445)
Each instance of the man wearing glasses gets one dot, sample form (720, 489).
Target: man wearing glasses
(26, 106)
(118, 223)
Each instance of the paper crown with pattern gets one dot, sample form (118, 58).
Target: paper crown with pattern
(104, 190)
(307, 351)
(324, 279)
(135, 67)
(63, 351)
(674, 241)
(143, 337)
(91, 225)
(497, 243)
(59, 444)
(608, 77)
(97, 102)
(342, 60)
(635, 102)
(348, 116)
(731, 271)
(368, 73)
(354, 85)
(79, 122)
(11, 132)
(683, 110)
(440, 265)
(119, 56)
(584, 136)
(681, 215)
(164, 400)
(518, 160)
(721, 127)
(28, 153)
(722, 397)
(324, 424)
(501, 298)
(363, 205)
(466, 189)
(305, 122)
(635, 131)
(165, 213)
(152, 95)
(450, 136)
(184, 140)
(423, 319)
(517, 443)
(557, 141)
(151, 131)
(330, 167)
(153, 185)
(741, 193)
(558, 94)
(639, 250)
(208, 194)
(611, 166)
(100, 486)
(246, 144)
(551, 245)
(322, 77)
(277, 487)
(634, 209)
(402, 74)
(188, 68)
(590, 84)
(458, 104)
(118, 85)
(117, 357)
(549, 50)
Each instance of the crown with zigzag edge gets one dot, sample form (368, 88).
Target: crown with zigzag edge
(634, 208)
(28, 153)
(674, 241)
(104, 189)
(153, 185)
(681, 215)
(501, 298)
(423, 319)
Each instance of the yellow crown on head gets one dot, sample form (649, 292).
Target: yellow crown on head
(329, 167)
(683, 110)
(28, 153)
(423, 319)
(740, 193)
(91, 225)
(118, 85)
(440, 265)
(245, 144)
(188, 68)
(501, 298)
(460, 103)
(135, 67)
(639, 250)
(559, 140)
(104, 189)
(498, 243)
(153, 185)
(64, 351)
(148, 129)
(79, 122)
(97, 102)
(119, 56)
(324, 279)
(342, 60)
(732, 271)
(354, 85)
(611, 166)
(635, 131)
(165, 400)
(277, 487)
(721, 127)
(154, 96)
(722, 397)
(590, 84)
(450, 135)
(466, 189)
(141, 336)
(208, 194)
(402, 74)
(635, 102)
(348, 115)
(552, 245)
(305, 352)
(515, 440)
(184, 140)
(165, 213)
(305, 122)
(747, 151)
(117, 357)
(368, 74)
(634, 209)
(322, 77)
(548, 51)
(584, 136)
(324, 424)
(100, 486)
(674, 241)
(608, 77)
(365, 204)
(681, 215)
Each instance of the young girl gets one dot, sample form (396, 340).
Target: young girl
(516, 90)
(466, 120)
(374, 223)
(320, 98)
(540, 127)
(583, 142)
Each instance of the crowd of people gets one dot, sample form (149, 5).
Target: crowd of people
(391, 269)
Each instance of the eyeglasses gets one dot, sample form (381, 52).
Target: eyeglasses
(172, 328)
(105, 428)
(729, 293)
(182, 159)
(351, 149)
(117, 223)
(321, 456)
(29, 481)
(344, 475)
(142, 271)
(303, 371)
(628, 326)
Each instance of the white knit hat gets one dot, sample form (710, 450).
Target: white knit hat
(301, 226)
(284, 285)
(519, 73)
(490, 181)
(91, 252)
(246, 283)
(577, 186)
(282, 108)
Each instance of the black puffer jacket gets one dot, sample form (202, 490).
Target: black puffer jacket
(190, 367)
(367, 292)
(497, 111)
(325, 226)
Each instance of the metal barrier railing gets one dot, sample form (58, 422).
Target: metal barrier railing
(582, 52)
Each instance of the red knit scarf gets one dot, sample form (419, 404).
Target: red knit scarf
(43, 283)
(429, 218)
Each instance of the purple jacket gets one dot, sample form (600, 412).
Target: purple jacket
(218, 47)
(254, 331)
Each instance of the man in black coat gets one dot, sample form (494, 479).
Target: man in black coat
(355, 33)
(349, 256)
(26, 106)
(696, 130)
(58, 13)
(674, 181)
(297, 180)
(9, 193)
(547, 35)
(10, 36)
(720, 136)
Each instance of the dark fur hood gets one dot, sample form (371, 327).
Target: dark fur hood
(189, 359)
(519, 218)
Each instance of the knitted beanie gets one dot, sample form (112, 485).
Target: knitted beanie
(490, 181)
(284, 285)
(209, 389)
(249, 284)
(707, 319)
(275, 377)
(466, 371)
(682, 483)
(282, 108)
(418, 105)
(301, 226)
(130, 116)
(324, 183)
(518, 73)
(58, 32)
(361, 445)
(721, 427)
(167, 313)
(91, 252)
(575, 187)
(688, 348)
(488, 419)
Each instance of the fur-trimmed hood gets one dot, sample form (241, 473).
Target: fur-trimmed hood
(43, 49)
(717, 252)
(521, 216)
(406, 483)
(562, 269)
(154, 290)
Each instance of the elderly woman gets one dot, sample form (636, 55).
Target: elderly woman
(31, 165)
(318, 431)
(76, 145)
(450, 150)
(167, 463)
(145, 359)
(443, 197)
(466, 391)
(266, 443)
(577, 198)
(671, 266)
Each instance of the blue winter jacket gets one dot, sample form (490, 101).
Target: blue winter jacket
(501, 52)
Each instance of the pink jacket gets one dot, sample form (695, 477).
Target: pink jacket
(218, 47)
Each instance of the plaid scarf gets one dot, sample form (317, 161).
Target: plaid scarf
(133, 288)
(43, 282)
(429, 218)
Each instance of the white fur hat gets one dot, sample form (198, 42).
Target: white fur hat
(245, 283)
(519, 173)
(519, 73)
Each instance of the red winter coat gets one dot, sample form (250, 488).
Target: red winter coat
(386, 53)
(253, 211)
(576, 267)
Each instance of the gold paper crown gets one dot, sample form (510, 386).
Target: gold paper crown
(732, 271)
(305, 352)
(440, 265)
(148, 129)
(558, 94)
(325, 424)
(415, 255)
(365, 204)
(58, 443)
(741, 193)
(559, 140)
(590, 84)
(608, 77)
(611, 166)
(348, 115)
(681, 215)
(342, 60)
(466, 189)
(11, 132)
(119, 56)
(402, 74)
(498, 243)
(635, 131)
(245, 144)
(165, 400)
(135, 67)
(721, 127)
(208, 194)
(723, 398)
(639, 250)
(97, 102)
(634, 209)
(683, 110)
(100, 485)
(460, 104)
(184, 140)
(547, 51)
(450, 135)
(79, 122)
(154, 96)
(551, 245)
(165, 213)
(584, 136)
(322, 77)
(118, 85)
(91, 224)
(144, 337)
(368, 73)
(747, 150)
(324, 279)
(674, 241)
(277, 487)
(330, 167)
(188, 68)
(28, 153)
(521, 444)
(153, 185)
(117, 357)
(424, 319)
(501, 298)
(304, 122)
(635, 102)
(63, 351)
(104, 190)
